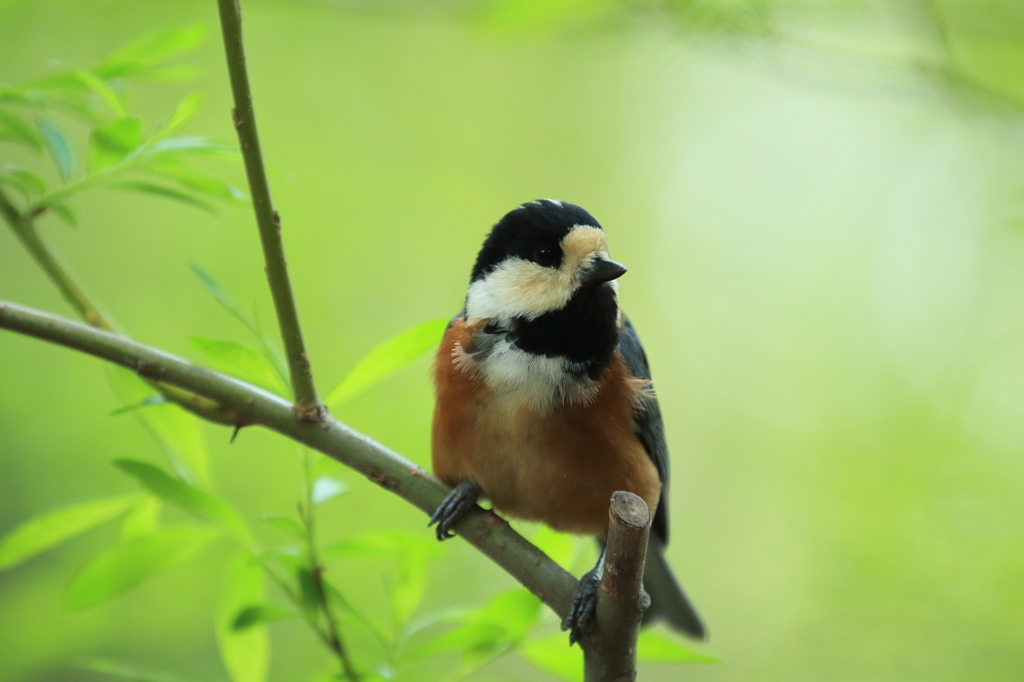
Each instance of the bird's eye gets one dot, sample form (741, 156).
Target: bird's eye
(544, 255)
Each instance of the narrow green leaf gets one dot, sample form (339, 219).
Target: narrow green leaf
(327, 488)
(59, 149)
(148, 401)
(29, 184)
(475, 638)
(111, 142)
(16, 129)
(191, 144)
(186, 497)
(127, 672)
(222, 297)
(167, 192)
(554, 655)
(100, 87)
(175, 430)
(239, 361)
(196, 180)
(652, 647)
(244, 651)
(125, 565)
(259, 614)
(285, 524)
(48, 530)
(307, 588)
(515, 610)
(386, 359)
(138, 57)
(408, 586)
(64, 212)
(142, 520)
(183, 113)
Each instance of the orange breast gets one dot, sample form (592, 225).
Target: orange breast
(559, 465)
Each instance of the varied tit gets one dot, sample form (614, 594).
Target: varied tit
(544, 398)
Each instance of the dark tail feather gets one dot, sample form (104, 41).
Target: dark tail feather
(668, 601)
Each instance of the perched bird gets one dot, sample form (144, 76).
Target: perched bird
(544, 399)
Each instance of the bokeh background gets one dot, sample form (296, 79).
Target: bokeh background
(822, 208)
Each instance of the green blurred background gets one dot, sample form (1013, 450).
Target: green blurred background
(821, 207)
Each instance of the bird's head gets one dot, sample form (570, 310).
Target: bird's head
(537, 259)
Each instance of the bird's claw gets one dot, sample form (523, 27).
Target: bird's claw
(455, 505)
(580, 619)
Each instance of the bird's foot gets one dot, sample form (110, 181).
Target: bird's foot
(580, 620)
(458, 502)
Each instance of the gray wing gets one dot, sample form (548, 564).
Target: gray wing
(649, 427)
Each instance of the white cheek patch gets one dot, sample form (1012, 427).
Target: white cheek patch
(521, 288)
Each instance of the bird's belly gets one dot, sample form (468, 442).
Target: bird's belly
(559, 466)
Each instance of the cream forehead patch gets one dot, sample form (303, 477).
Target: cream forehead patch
(583, 242)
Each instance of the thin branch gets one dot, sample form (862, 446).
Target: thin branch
(307, 404)
(23, 226)
(250, 405)
(307, 512)
(610, 653)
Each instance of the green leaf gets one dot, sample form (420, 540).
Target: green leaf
(50, 529)
(259, 614)
(111, 142)
(191, 144)
(239, 361)
(327, 488)
(125, 565)
(554, 655)
(64, 212)
(148, 401)
(59, 149)
(186, 497)
(29, 184)
(139, 57)
(386, 359)
(652, 647)
(16, 129)
(127, 672)
(285, 524)
(168, 192)
(175, 430)
(244, 651)
(100, 87)
(142, 520)
(193, 179)
(409, 584)
(515, 610)
(307, 588)
(183, 113)
(499, 624)
(477, 639)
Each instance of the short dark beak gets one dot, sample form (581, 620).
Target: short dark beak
(602, 270)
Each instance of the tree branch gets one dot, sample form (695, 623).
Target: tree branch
(307, 404)
(609, 654)
(247, 404)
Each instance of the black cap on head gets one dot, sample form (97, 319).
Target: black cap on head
(541, 223)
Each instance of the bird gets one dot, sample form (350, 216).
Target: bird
(544, 402)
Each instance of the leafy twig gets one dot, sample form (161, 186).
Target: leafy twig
(307, 404)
